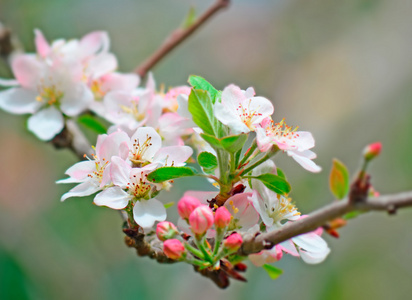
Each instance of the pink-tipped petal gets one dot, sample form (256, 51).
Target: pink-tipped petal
(42, 46)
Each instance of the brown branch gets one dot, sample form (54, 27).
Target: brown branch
(178, 36)
(320, 217)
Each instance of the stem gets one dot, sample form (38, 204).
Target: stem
(248, 153)
(268, 155)
(199, 244)
(194, 251)
(178, 36)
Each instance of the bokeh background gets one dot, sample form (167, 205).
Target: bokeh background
(340, 69)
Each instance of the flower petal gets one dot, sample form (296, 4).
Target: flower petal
(147, 134)
(173, 155)
(19, 101)
(46, 123)
(79, 171)
(147, 212)
(27, 69)
(120, 172)
(42, 46)
(113, 197)
(83, 189)
(76, 99)
(93, 42)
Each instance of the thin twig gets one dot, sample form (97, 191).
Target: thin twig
(178, 36)
(320, 217)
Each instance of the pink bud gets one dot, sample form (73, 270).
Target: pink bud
(233, 242)
(201, 219)
(186, 205)
(166, 230)
(372, 150)
(173, 248)
(222, 217)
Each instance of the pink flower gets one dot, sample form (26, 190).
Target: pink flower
(166, 230)
(233, 242)
(186, 205)
(222, 217)
(174, 249)
(240, 110)
(201, 219)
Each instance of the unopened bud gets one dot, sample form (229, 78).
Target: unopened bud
(166, 230)
(174, 249)
(233, 242)
(186, 205)
(222, 217)
(201, 219)
(372, 150)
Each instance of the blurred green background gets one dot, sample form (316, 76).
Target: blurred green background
(340, 69)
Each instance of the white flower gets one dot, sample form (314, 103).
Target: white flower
(240, 110)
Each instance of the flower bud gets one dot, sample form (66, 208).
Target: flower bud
(222, 217)
(233, 242)
(372, 150)
(201, 219)
(166, 230)
(186, 205)
(174, 249)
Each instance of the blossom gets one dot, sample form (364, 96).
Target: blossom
(240, 110)
(46, 92)
(94, 174)
(174, 249)
(201, 219)
(131, 185)
(295, 143)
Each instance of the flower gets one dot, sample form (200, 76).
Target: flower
(240, 110)
(166, 230)
(94, 174)
(222, 217)
(295, 143)
(233, 242)
(186, 205)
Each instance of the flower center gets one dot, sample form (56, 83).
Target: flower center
(247, 116)
(133, 110)
(139, 150)
(49, 94)
(281, 130)
(139, 188)
(96, 87)
(282, 209)
(100, 167)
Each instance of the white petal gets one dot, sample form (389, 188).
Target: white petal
(173, 155)
(229, 117)
(76, 99)
(27, 69)
(314, 257)
(259, 206)
(261, 106)
(305, 140)
(289, 247)
(46, 123)
(142, 135)
(8, 82)
(19, 101)
(83, 189)
(305, 162)
(79, 171)
(113, 145)
(118, 81)
(93, 42)
(113, 197)
(120, 172)
(310, 242)
(147, 212)
(102, 64)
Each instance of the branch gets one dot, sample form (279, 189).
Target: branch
(178, 36)
(320, 217)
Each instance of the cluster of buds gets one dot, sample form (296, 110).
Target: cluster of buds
(203, 223)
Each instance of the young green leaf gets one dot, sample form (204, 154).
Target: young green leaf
(234, 143)
(207, 161)
(214, 142)
(281, 173)
(272, 271)
(275, 183)
(92, 123)
(190, 18)
(339, 179)
(201, 107)
(168, 173)
(200, 83)
(168, 205)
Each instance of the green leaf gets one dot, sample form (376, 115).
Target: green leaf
(201, 108)
(200, 83)
(92, 123)
(190, 18)
(168, 205)
(272, 271)
(207, 161)
(168, 173)
(214, 142)
(275, 183)
(281, 173)
(234, 143)
(339, 179)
